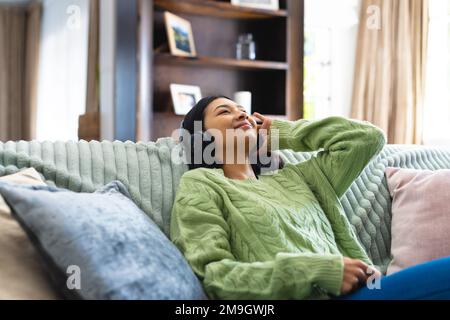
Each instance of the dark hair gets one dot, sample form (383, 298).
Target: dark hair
(197, 114)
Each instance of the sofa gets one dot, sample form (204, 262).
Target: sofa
(151, 172)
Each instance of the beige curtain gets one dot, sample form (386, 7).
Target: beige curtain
(390, 67)
(19, 48)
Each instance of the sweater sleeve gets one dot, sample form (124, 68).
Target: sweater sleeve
(200, 231)
(348, 145)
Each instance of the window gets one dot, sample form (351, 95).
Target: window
(436, 129)
(329, 56)
(61, 95)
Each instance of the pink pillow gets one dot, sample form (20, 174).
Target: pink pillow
(420, 216)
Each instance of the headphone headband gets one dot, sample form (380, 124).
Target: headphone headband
(180, 135)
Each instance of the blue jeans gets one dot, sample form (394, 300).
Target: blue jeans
(429, 280)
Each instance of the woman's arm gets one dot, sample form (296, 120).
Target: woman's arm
(348, 145)
(200, 231)
(345, 147)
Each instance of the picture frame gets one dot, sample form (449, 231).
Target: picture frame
(184, 97)
(179, 35)
(259, 4)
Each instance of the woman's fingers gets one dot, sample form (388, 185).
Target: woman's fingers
(361, 275)
(350, 283)
(259, 116)
(356, 284)
(362, 265)
(266, 121)
(375, 272)
(355, 274)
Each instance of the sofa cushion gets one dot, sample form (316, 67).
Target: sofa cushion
(420, 216)
(22, 273)
(101, 245)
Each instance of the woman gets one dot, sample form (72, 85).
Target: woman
(284, 235)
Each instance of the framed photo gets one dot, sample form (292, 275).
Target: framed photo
(184, 97)
(260, 4)
(179, 34)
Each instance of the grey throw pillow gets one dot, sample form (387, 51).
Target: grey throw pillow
(101, 245)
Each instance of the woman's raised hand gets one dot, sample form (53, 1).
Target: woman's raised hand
(266, 122)
(356, 274)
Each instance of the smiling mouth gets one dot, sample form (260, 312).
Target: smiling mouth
(245, 126)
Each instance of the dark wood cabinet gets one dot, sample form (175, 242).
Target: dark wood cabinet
(275, 78)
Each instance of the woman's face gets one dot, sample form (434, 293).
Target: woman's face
(224, 115)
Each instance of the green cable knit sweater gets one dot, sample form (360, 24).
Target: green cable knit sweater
(282, 236)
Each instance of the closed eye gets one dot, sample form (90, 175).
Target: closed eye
(229, 111)
(225, 110)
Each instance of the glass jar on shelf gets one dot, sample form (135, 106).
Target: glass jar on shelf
(246, 47)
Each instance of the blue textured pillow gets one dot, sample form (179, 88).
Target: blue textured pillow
(103, 242)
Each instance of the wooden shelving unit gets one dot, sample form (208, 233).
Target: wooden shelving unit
(161, 58)
(217, 9)
(275, 78)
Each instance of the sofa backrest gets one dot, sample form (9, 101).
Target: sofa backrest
(152, 171)
(145, 168)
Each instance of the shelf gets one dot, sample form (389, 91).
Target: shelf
(218, 9)
(166, 58)
(275, 83)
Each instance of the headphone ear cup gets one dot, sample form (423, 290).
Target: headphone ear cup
(261, 140)
(207, 140)
(196, 136)
(207, 137)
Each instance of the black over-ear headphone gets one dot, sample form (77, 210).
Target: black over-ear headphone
(205, 138)
(208, 139)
